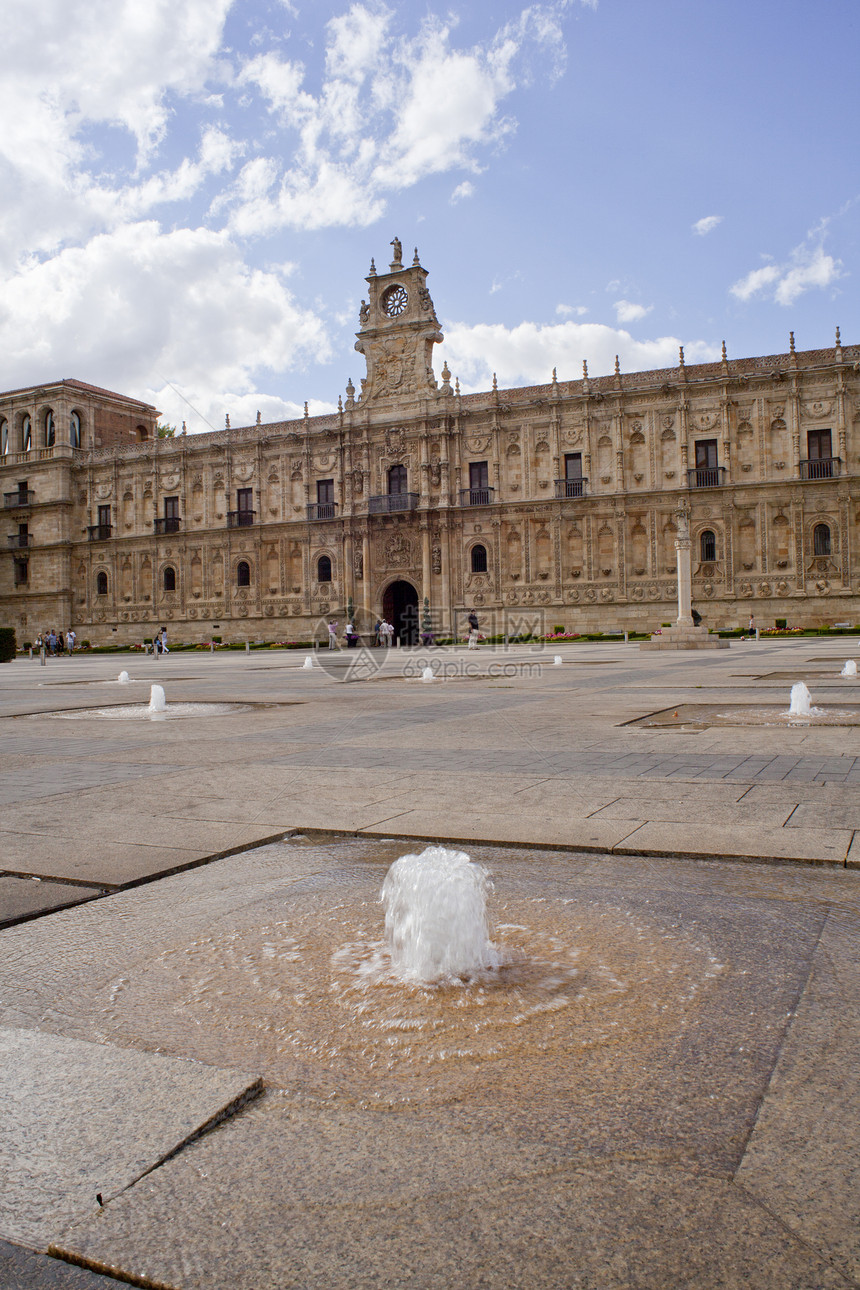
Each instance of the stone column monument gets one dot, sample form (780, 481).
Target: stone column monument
(683, 634)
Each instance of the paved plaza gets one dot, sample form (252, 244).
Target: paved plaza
(175, 899)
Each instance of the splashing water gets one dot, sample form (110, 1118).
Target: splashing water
(123, 678)
(436, 916)
(556, 662)
(426, 674)
(850, 668)
(157, 701)
(308, 663)
(800, 705)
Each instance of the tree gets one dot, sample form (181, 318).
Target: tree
(165, 431)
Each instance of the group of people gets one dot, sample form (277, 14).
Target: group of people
(383, 634)
(55, 643)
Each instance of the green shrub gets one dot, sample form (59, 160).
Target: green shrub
(27, 645)
(8, 648)
(781, 623)
(558, 630)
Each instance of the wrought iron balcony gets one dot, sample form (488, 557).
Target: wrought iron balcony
(240, 519)
(99, 532)
(821, 468)
(17, 540)
(476, 496)
(385, 503)
(706, 477)
(21, 497)
(570, 487)
(322, 510)
(169, 524)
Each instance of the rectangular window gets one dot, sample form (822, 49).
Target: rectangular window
(21, 573)
(573, 465)
(479, 475)
(819, 447)
(325, 492)
(171, 508)
(706, 454)
(23, 535)
(244, 499)
(104, 517)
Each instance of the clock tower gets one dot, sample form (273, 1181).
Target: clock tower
(399, 328)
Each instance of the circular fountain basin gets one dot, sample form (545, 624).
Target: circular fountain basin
(143, 712)
(305, 987)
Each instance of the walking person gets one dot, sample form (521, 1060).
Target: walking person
(332, 634)
(71, 640)
(163, 635)
(473, 630)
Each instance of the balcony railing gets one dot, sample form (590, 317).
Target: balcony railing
(240, 519)
(385, 503)
(17, 540)
(476, 496)
(820, 468)
(99, 532)
(322, 510)
(21, 497)
(169, 524)
(706, 477)
(570, 487)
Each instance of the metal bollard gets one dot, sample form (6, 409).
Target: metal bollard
(211, 647)
(247, 647)
(626, 638)
(757, 630)
(31, 651)
(42, 656)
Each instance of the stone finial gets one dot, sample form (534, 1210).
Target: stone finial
(723, 355)
(306, 409)
(350, 393)
(838, 339)
(617, 366)
(585, 369)
(555, 376)
(791, 342)
(226, 420)
(415, 259)
(681, 356)
(259, 418)
(457, 386)
(495, 382)
(339, 404)
(184, 429)
(372, 273)
(446, 379)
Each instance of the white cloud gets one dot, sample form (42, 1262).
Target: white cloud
(569, 311)
(808, 266)
(462, 191)
(707, 224)
(391, 112)
(137, 307)
(626, 312)
(527, 353)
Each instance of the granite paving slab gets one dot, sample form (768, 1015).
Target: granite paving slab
(802, 1159)
(431, 1213)
(24, 897)
(23, 1269)
(82, 1119)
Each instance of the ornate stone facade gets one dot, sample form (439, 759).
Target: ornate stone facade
(544, 505)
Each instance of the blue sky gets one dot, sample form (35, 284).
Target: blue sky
(194, 188)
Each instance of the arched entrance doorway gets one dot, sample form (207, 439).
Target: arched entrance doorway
(400, 607)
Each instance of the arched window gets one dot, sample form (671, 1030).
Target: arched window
(142, 433)
(75, 429)
(479, 559)
(50, 429)
(707, 546)
(243, 574)
(4, 438)
(169, 578)
(397, 480)
(26, 435)
(324, 569)
(821, 539)
(101, 584)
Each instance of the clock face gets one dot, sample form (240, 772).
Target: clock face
(394, 301)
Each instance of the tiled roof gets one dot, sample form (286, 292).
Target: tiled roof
(77, 385)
